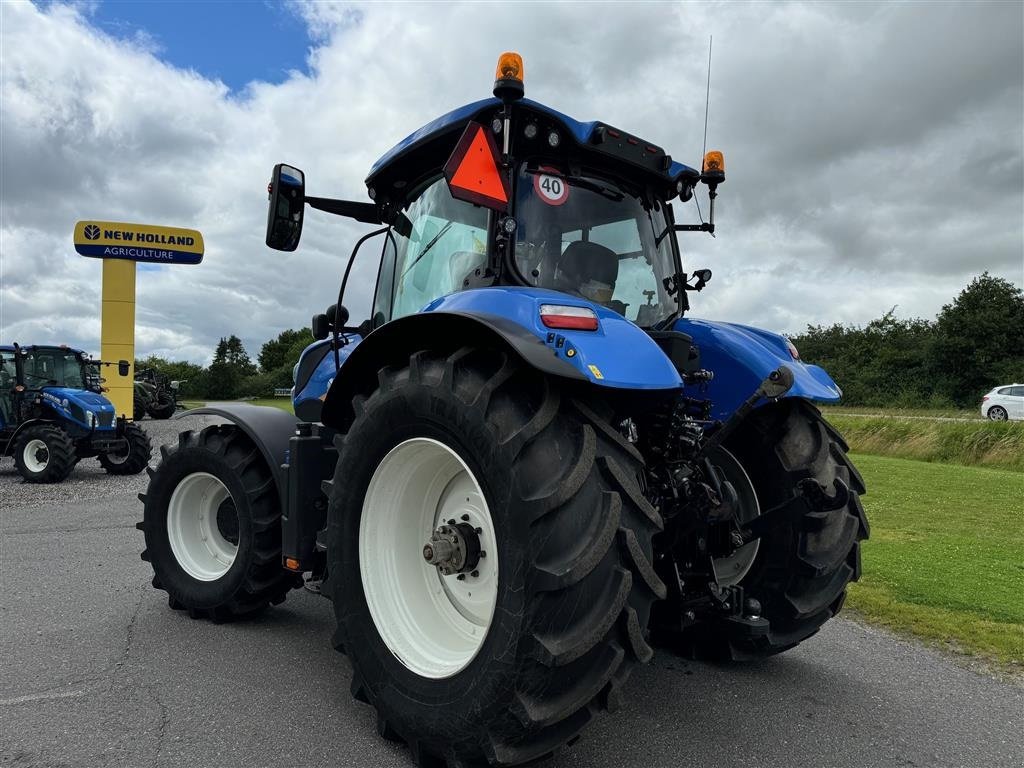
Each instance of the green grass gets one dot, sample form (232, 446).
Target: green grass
(284, 403)
(944, 413)
(998, 445)
(945, 561)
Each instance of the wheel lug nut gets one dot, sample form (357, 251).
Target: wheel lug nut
(452, 521)
(461, 577)
(475, 574)
(482, 554)
(465, 518)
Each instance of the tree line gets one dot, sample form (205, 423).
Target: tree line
(976, 342)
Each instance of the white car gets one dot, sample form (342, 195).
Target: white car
(1005, 402)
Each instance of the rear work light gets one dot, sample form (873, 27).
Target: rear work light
(568, 318)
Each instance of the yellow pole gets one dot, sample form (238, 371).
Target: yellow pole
(117, 333)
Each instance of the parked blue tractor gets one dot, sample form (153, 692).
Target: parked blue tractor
(52, 414)
(526, 467)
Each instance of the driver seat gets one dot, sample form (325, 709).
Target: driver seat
(583, 261)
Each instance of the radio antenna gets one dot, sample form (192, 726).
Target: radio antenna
(707, 104)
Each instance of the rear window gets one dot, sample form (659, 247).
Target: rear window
(1006, 391)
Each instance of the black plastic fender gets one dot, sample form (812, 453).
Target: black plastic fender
(269, 428)
(392, 343)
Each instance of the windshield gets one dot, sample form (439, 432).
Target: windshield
(54, 368)
(592, 238)
(445, 245)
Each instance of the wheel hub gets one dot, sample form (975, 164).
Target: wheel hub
(454, 548)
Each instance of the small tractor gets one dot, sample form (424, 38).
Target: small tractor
(155, 394)
(528, 466)
(52, 414)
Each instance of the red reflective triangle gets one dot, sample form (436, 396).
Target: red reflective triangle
(472, 170)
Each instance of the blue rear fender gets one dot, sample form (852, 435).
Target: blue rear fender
(618, 355)
(741, 357)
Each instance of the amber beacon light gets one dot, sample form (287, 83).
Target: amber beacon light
(714, 167)
(508, 77)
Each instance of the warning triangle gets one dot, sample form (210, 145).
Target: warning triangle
(472, 171)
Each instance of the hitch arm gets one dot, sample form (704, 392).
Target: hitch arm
(778, 383)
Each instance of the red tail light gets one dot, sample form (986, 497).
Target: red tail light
(984, 398)
(568, 318)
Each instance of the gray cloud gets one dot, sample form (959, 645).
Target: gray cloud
(874, 152)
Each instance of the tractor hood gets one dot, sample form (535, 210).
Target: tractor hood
(76, 404)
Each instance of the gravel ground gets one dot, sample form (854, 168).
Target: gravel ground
(97, 671)
(88, 481)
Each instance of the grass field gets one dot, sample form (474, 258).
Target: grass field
(945, 561)
(941, 413)
(982, 443)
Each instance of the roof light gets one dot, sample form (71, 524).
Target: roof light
(508, 77)
(568, 318)
(713, 171)
(793, 352)
(554, 139)
(530, 131)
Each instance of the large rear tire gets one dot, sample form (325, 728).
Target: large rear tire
(212, 524)
(552, 487)
(44, 453)
(135, 455)
(804, 564)
(164, 406)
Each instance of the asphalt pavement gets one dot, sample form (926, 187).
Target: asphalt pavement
(98, 671)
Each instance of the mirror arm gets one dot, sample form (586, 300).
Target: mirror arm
(364, 212)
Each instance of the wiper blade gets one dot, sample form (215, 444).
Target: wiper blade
(588, 184)
(430, 245)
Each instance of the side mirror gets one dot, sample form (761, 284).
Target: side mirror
(175, 385)
(284, 213)
(703, 278)
(321, 327)
(123, 367)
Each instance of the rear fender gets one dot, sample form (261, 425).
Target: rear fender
(619, 357)
(269, 428)
(741, 357)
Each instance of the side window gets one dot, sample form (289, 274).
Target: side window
(385, 283)
(1006, 391)
(1017, 391)
(447, 243)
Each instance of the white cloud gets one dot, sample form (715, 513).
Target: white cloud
(874, 152)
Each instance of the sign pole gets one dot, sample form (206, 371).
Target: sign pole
(117, 331)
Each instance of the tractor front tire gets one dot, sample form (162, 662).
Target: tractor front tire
(138, 452)
(164, 406)
(44, 453)
(212, 522)
(805, 563)
(505, 664)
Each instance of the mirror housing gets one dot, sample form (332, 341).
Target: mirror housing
(123, 367)
(320, 326)
(284, 213)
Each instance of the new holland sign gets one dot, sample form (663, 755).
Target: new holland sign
(138, 242)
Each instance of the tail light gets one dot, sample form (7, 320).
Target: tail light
(568, 318)
(983, 399)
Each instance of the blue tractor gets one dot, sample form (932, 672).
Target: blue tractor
(52, 414)
(527, 467)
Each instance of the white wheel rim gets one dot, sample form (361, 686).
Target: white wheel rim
(196, 541)
(434, 624)
(29, 455)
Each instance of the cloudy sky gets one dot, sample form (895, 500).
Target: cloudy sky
(874, 152)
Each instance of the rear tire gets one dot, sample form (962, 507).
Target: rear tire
(44, 453)
(164, 406)
(212, 521)
(804, 564)
(997, 413)
(571, 541)
(136, 459)
(138, 408)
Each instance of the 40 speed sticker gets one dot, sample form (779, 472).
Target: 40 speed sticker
(550, 187)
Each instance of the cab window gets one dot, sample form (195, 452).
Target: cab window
(445, 245)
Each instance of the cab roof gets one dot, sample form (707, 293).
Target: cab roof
(431, 144)
(10, 348)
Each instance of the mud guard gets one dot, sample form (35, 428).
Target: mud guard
(740, 357)
(269, 428)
